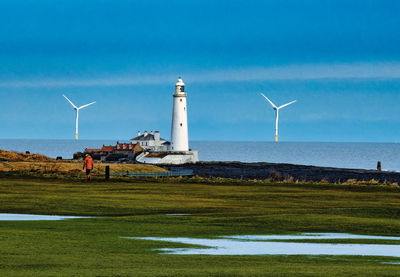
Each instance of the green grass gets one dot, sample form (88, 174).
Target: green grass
(131, 207)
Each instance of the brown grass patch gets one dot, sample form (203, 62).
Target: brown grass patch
(73, 168)
(20, 157)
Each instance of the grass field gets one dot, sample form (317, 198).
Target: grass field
(129, 208)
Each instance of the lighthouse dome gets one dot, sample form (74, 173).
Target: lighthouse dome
(180, 87)
(179, 82)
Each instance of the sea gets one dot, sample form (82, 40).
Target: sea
(330, 154)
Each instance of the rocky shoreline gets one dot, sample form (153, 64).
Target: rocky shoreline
(279, 172)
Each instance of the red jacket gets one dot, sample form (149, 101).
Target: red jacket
(88, 163)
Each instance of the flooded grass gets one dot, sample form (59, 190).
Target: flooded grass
(219, 210)
(311, 236)
(262, 245)
(177, 214)
(30, 217)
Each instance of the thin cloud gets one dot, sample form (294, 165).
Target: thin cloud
(289, 72)
(304, 72)
(89, 82)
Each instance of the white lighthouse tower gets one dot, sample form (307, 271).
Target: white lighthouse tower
(179, 128)
(178, 150)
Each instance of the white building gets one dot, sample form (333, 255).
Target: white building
(150, 141)
(178, 151)
(179, 127)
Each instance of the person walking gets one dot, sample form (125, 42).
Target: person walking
(88, 164)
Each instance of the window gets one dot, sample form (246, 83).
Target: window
(181, 124)
(184, 108)
(183, 88)
(181, 99)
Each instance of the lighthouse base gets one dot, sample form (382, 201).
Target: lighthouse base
(168, 157)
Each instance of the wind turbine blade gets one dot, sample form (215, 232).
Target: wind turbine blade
(70, 102)
(84, 106)
(287, 104)
(273, 105)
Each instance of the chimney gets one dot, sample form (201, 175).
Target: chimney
(138, 133)
(151, 132)
(145, 133)
(156, 135)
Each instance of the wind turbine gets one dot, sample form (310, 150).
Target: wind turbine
(277, 114)
(77, 113)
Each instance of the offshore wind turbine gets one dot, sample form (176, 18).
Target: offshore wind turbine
(77, 113)
(277, 114)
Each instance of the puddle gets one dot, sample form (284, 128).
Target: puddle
(30, 217)
(259, 245)
(177, 214)
(391, 263)
(310, 236)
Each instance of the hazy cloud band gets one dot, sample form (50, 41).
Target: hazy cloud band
(289, 72)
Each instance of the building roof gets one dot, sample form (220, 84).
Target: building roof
(117, 147)
(107, 148)
(145, 138)
(92, 150)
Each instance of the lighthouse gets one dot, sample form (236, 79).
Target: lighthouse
(179, 128)
(177, 151)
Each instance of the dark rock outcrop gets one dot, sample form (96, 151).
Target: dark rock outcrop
(279, 172)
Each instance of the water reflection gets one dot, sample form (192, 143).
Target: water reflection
(262, 245)
(305, 236)
(177, 214)
(30, 217)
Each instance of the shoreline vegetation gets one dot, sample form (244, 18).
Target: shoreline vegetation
(36, 165)
(207, 207)
(14, 165)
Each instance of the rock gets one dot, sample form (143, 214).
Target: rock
(279, 172)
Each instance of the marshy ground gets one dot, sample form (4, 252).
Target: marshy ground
(128, 207)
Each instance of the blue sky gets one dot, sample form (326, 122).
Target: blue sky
(339, 59)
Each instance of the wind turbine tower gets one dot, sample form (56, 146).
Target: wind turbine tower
(77, 114)
(277, 114)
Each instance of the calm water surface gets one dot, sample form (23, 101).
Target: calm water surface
(262, 245)
(30, 217)
(346, 155)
